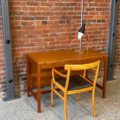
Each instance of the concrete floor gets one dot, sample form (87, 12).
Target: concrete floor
(25, 108)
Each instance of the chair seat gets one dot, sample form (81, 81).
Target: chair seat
(76, 82)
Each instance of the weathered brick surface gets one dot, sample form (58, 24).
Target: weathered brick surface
(117, 46)
(39, 25)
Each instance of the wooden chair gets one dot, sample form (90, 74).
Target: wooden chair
(74, 84)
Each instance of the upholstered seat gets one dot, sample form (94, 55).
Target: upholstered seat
(75, 82)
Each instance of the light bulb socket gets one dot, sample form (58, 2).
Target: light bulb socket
(82, 28)
(81, 31)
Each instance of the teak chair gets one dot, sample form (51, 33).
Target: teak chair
(74, 84)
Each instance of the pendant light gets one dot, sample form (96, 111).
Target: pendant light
(82, 28)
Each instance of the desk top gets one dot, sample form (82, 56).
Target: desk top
(66, 56)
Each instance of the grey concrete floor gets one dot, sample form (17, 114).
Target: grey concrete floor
(25, 108)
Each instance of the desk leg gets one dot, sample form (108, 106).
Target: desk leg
(105, 77)
(28, 79)
(38, 89)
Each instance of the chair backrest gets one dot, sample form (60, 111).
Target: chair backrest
(79, 67)
(76, 67)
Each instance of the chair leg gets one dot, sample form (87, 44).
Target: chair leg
(52, 101)
(93, 103)
(78, 97)
(65, 108)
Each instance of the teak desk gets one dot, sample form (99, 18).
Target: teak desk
(49, 59)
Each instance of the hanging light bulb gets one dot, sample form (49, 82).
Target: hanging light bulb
(81, 31)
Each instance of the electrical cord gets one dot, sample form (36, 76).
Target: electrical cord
(82, 9)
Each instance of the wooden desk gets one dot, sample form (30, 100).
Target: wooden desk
(36, 62)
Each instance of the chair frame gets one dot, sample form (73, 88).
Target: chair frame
(69, 68)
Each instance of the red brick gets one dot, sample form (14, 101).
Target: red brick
(40, 25)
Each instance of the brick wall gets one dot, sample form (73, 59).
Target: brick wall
(117, 46)
(39, 25)
(2, 68)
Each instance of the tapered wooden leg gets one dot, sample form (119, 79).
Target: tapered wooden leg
(65, 108)
(105, 77)
(38, 89)
(52, 101)
(78, 97)
(93, 103)
(28, 79)
(38, 101)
